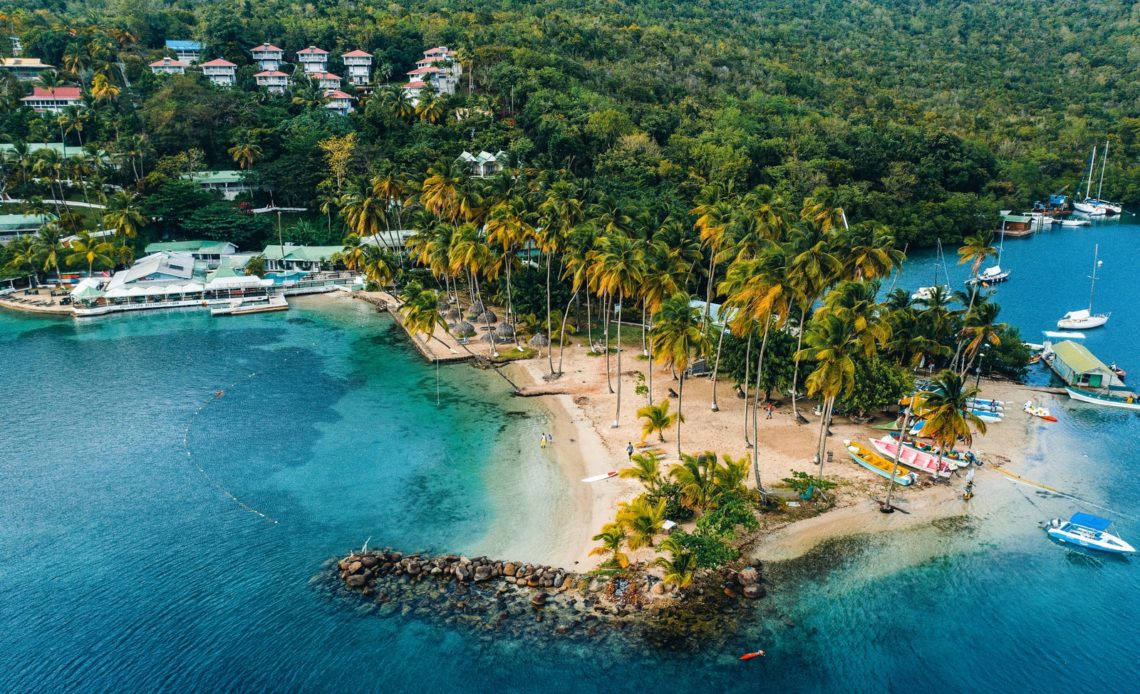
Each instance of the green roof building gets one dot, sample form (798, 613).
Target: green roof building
(1077, 366)
(290, 257)
(210, 252)
(229, 183)
(16, 225)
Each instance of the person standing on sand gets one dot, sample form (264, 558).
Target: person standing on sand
(542, 441)
(769, 407)
(629, 450)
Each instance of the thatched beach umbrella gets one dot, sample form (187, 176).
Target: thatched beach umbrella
(463, 329)
(488, 317)
(505, 331)
(539, 340)
(453, 314)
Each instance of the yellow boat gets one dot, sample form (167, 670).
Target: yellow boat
(877, 463)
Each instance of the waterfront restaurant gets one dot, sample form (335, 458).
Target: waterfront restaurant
(1079, 367)
(303, 258)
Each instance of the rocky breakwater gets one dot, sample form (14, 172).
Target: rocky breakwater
(518, 600)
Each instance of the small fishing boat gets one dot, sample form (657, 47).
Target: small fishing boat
(1120, 373)
(925, 294)
(1084, 319)
(1035, 359)
(1087, 530)
(1120, 400)
(599, 478)
(957, 459)
(753, 654)
(1036, 411)
(913, 458)
(877, 464)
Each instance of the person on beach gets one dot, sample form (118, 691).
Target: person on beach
(769, 407)
(542, 441)
(629, 450)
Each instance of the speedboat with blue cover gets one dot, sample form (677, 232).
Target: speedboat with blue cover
(1087, 530)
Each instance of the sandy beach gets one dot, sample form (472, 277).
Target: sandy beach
(582, 411)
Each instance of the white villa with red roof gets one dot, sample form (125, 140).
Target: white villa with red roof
(326, 80)
(221, 72)
(53, 99)
(268, 57)
(413, 89)
(359, 66)
(439, 68)
(273, 81)
(338, 102)
(168, 66)
(313, 59)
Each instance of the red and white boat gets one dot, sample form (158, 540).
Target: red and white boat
(914, 458)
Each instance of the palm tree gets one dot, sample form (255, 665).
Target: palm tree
(832, 343)
(124, 214)
(103, 89)
(429, 108)
(508, 229)
(50, 247)
(90, 251)
(681, 565)
(618, 265)
(245, 153)
(612, 537)
(24, 256)
(981, 329)
(945, 406)
(657, 419)
(697, 477)
(644, 468)
(560, 211)
(642, 519)
(469, 252)
(675, 338)
(975, 249)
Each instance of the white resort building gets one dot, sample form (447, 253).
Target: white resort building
(209, 252)
(268, 57)
(326, 80)
(484, 163)
(338, 102)
(229, 183)
(358, 64)
(221, 72)
(168, 66)
(439, 69)
(24, 69)
(313, 59)
(187, 51)
(273, 81)
(53, 99)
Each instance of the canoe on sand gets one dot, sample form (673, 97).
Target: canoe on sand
(599, 478)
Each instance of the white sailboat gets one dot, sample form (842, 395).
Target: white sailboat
(1083, 319)
(925, 294)
(994, 274)
(1096, 207)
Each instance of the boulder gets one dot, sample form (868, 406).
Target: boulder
(414, 568)
(355, 567)
(754, 591)
(509, 569)
(369, 561)
(748, 576)
(355, 581)
(482, 572)
(538, 599)
(462, 572)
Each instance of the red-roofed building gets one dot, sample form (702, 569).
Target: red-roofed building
(439, 68)
(168, 66)
(338, 102)
(268, 56)
(326, 80)
(53, 99)
(273, 81)
(313, 59)
(221, 72)
(359, 65)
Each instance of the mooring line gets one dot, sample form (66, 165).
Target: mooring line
(1016, 479)
(190, 456)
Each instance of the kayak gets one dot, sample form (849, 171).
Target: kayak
(599, 478)
(753, 654)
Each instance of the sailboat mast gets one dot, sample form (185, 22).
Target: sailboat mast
(1092, 165)
(1092, 285)
(1103, 166)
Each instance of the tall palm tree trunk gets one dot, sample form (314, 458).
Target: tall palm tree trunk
(606, 332)
(716, 367)
(680, 406)
(756, 404)
(644, 347)
(511, 312)
(828, 404)
(649, 391)
(617, 411)
(562, 332)
(796, 369)
(747, 377)
(549, 352)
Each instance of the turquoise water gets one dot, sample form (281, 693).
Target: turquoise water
(156, 537)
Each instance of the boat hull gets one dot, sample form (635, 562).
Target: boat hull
(1103, 401)
(1082, 323)
(876, 463)
(1117, 547)
(912, 457)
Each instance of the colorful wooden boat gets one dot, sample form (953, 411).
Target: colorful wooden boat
(913, 458)
(877, 464)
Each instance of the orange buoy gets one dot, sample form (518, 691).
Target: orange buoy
(753, 654)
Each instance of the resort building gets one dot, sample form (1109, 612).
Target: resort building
(17, 47)
(1016, 225)
(209, 252)
(359, 66)
(221, 72)
(305, 258)
(413, 90)
(168, 66)
(439, 69)
(187, 51)
(229, 183)
(1077, 366)
(24, 69)
(484, 163)
(61, 148)
(273, 81)
(53, 99)
(326, 80)
(268, 57)
(338, 102)
(13, 226)
(313, 59)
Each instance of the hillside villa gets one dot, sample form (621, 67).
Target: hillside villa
(268, 57)
(24, 69)
(313, 59)
(53, 99)
(186, 51)
(359, 66)
(168, 66)
(221, 72)
(273, 81)
(229, 183)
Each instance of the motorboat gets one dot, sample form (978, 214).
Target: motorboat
(1085, 319)
(1038, 411)
(878, 464)
(1076, 223)
(1087, 530)
(991, 275)
(925, 294)
(1117, 399)
(913, 458)
(1120, 373)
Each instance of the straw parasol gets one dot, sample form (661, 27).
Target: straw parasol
(463, 328)
(488, 317)
(539, 340)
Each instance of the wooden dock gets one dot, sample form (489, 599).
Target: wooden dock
(442, 347)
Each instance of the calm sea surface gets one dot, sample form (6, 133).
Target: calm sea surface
(156, 537)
